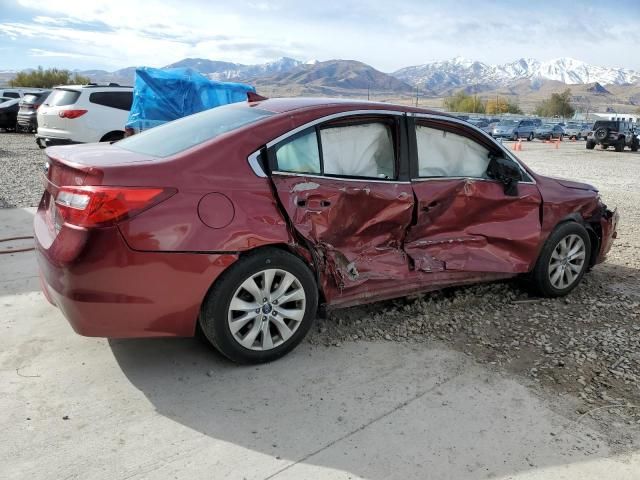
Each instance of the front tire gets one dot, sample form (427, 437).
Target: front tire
(591, 145)
(563, 261)
(261, 307)
(619, 147)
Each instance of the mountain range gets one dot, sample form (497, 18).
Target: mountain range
(432, 78)
(525, 78)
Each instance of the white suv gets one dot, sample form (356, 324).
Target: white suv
(84, 114)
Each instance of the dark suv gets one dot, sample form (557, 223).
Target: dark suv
(28, 113)
(616, 133)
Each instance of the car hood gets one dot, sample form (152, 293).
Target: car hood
(575, 185)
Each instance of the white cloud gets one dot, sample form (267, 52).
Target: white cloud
(37, 52)
(385, 35)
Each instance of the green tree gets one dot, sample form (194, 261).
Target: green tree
(462, 102)
(558, 105)
(500, 105)
(48, 78)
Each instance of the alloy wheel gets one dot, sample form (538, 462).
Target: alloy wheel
(567, 261)
(267, 309)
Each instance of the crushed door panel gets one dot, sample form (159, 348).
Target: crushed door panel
(356, 228)
(471, 225)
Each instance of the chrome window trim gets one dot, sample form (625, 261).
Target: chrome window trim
(341, 179)
(255, 164)
(475, 179)
(473, 127)
(333, 116)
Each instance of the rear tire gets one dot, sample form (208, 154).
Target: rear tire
(563, 261)
(530, 137)
(112, 137)
(620, 145)
(635, 144)
(258, 330)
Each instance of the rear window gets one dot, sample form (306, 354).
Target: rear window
(119, 100)
(605, 124)
(187, 132)
(60, 97)
(32, 97)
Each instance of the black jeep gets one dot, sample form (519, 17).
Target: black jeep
(618, 133)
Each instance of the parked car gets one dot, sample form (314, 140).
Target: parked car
(616, 133)
(549, 131)
(28, 113)
(478, 122)
(242, 218)
(16, 92)
(83, 114)
(8, 113)
(573, 130)
(514, 129)
(489, 128)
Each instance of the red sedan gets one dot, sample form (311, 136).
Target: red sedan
(245, 217)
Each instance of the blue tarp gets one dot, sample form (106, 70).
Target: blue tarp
(160, 96)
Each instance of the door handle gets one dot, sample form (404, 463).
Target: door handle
(314, 204)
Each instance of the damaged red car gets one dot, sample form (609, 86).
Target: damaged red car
(245, 218)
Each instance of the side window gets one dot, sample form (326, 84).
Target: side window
(119, 100)
(446, 154)
(299, 154)
(364, 150)
(12, 94)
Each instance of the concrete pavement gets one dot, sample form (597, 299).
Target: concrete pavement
(86, 408)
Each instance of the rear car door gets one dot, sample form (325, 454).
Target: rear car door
(344, 186)
(464, 220)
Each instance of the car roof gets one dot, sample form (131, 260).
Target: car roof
(283, 105)
(91, 85)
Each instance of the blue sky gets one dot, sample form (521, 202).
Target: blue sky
(112, 34)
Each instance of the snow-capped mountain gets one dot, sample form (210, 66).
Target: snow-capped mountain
(458, 72)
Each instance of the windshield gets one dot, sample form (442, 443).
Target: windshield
(187, 132)
(507, 123)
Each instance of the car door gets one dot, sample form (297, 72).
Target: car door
(341, 185)
(464, 220)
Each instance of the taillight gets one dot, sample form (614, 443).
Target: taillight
(71, 113)
(97, 206)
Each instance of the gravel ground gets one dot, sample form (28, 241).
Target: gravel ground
(586, 345)
(21, 162)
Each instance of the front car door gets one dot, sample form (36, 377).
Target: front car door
(344, 186)
(464, 220)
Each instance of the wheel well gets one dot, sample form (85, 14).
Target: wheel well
(113, 135)
(594, 231)
(299, 251)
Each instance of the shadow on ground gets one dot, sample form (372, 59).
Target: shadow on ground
(375, 410)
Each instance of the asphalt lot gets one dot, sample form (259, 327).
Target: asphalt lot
(433, 387)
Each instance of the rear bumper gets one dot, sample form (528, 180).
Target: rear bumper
(106, 289)
(30, 121)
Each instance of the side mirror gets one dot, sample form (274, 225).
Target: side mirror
(506, 172)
